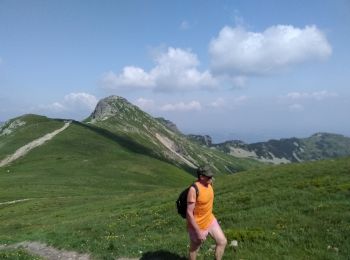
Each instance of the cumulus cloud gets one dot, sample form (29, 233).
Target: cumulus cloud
(225, 103)
(240, 99)
(184, 25)
(236, 51)
(220, 102)
(297, 101)
(296, 108)
(71, 102)
(181, 106)
(145, 104)
(54, 107)
(82, 100)
(318, 95)
(175, 70)
(130, 77)
(239, 81)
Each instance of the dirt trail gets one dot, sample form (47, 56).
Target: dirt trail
(13, 201)
(50, 253)
(37, 142)
(47, 252)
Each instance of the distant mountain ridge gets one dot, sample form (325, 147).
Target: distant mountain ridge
(160, 138)
(160, 133)
(319, 146)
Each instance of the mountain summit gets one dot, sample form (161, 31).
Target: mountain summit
(110, 106)
(160, 137)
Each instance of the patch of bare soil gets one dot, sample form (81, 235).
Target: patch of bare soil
(47, 252)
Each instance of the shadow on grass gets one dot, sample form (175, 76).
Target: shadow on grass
(131, 145)
(161, 255)
(124, 141)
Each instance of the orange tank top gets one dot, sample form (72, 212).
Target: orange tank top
(203, 211)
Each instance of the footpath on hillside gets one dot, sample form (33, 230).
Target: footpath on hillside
(46, 252)
(50, 253)
(37, 142)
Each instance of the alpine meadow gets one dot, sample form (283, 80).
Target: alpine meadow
(106, 187)
(174, 130)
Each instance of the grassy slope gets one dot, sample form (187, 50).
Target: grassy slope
(294, 211)
(110, 198)
(224, 163)
(35, 127)
(324, 145)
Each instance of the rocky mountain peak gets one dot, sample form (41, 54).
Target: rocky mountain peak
(111, 106)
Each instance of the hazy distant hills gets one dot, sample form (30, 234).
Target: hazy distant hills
(316, 147)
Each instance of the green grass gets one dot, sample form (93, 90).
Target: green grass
(133, 124)
(35, 127)
(17, 254)
(98, 193)
(296, 211)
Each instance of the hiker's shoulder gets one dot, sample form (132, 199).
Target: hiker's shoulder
(192, 188)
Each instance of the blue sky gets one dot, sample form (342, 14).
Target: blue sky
(249, 70)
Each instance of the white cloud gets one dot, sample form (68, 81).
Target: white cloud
(240, 99)
(236, 51)
(296, 108)
(228, 104)
(54, 107)
(184, 25)
(323, 94)
(220, 102)
(318, 95)
(181, 106)
(145, 104)
(72, 102)
(130, 77)
(239, 81)
(175, 70)
(80, 100)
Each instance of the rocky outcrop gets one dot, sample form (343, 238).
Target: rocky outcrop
(158, 137)
(9, 127)
(107, 107)
(168, 124)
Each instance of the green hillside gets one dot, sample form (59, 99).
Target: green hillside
(89, 158)
(21, 130)
(93, 191)
(161, 138)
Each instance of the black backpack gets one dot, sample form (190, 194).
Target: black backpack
(181, 202)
